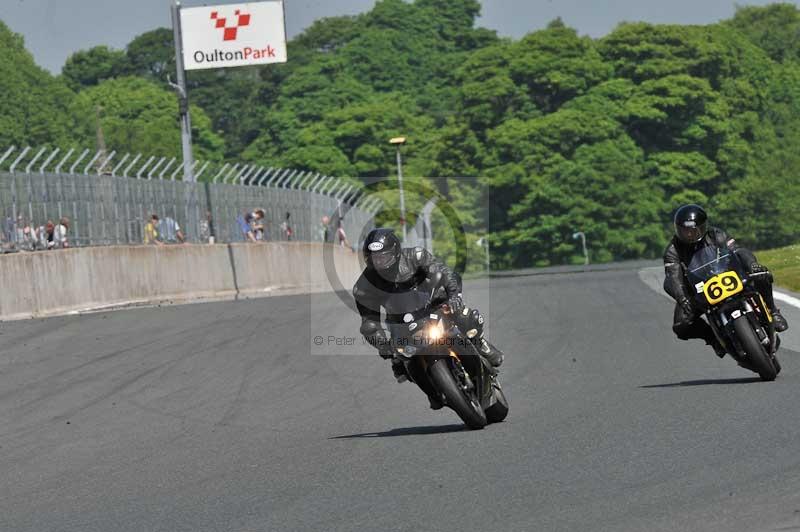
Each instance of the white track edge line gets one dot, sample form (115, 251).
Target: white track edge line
(786, 298)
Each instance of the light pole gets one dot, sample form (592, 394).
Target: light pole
(183, 95)
(484, 243)
(398, 142)
(582, 236)
(427, 230)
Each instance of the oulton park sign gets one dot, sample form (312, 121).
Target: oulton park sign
(233, 35)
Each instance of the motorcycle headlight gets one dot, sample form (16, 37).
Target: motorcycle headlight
(436, 331)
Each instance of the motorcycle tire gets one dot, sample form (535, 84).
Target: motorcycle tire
(467, 408)
(758, 358)
(499, 410)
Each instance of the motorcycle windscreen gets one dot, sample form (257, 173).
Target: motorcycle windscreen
(707, 262)
(710, 261)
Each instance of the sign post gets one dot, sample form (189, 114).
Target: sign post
(183, 96)
(223, 36)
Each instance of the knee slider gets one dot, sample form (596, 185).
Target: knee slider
(681, 329)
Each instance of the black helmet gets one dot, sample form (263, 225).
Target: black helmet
(381, 249)
(691, 224)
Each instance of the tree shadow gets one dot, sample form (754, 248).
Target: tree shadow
(704, 382)
(407, 431)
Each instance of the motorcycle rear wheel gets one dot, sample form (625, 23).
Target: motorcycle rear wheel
(467, 408)
(758, 358)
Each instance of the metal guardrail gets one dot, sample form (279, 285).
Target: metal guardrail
(108, 199)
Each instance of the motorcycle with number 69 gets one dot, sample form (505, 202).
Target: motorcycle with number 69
(735, 310)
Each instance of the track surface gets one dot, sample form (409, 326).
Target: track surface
(220, 417)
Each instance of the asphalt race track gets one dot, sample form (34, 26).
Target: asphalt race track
(227, 417)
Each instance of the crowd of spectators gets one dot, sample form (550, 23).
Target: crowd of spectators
(251, 224)
(253, 227)
(160, 232)
(22, 235)
(339, 236)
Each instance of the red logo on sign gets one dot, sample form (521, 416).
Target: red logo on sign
(230, 32)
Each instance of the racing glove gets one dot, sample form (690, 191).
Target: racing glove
(687, 306)
(386, 352)
(456, 304)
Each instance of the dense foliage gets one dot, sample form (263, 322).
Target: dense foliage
(565, 133)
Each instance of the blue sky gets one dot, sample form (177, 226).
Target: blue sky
(53, 29)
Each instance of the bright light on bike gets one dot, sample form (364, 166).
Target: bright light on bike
(435, 332)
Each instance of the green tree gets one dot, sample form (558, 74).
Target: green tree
(32, 106)
(774, 28)
(555, 65)
(89, 67)
(152, 55)
(137, 115)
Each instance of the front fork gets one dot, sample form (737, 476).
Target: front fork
(751, 311)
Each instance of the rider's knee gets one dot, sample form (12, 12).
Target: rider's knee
(761, 278)
(682, 329)
(370, 327)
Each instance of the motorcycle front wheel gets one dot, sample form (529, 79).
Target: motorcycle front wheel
(464, 404)
(757, 355)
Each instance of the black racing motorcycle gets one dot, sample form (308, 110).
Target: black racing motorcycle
(735, 310)
(440, 358)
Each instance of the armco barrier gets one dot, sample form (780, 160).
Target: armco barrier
(73, 280)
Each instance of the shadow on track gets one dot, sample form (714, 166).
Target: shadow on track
(408, 431)
(704, 382)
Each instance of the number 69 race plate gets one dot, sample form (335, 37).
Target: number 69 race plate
(722, 286)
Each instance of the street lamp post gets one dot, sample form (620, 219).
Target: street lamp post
(398, 142)
(183, 95)
(582, 236)
(484, 243)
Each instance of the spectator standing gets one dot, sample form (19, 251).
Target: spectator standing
(8, 230)
(60, 233)
(325, 229)
(170, 231)
(29, 241)
(286, 228)
(151, 235)
(259, 229)
(19, 236)
(49, 231)
(248, 222)
(342, 236)
(41, 234)
(206, 229)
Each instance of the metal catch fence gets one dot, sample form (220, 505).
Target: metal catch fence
(110, 202)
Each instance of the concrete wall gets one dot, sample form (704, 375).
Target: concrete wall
(70, 280)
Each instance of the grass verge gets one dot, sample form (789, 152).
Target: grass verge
(784, 263)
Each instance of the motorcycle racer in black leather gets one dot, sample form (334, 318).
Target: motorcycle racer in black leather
(392, 269)
(692, 232)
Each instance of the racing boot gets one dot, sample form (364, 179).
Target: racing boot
(764, 282)
(777, 365)
(779, 321)
(435, 402)
(399, 370)
(489, 352)
(719, 349)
